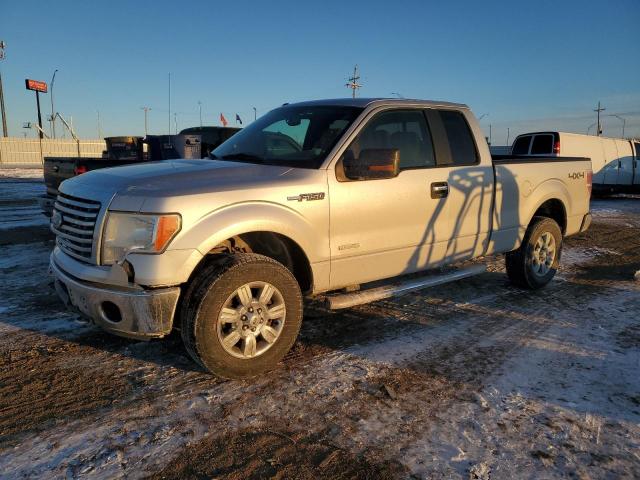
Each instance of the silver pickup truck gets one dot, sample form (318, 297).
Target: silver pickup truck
(333, 199)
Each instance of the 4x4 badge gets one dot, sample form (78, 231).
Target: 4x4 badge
(307, 196)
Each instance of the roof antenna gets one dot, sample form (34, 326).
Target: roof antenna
(353, 82)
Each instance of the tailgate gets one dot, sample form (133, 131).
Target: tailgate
(57, 169)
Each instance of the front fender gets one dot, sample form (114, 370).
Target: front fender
(257, 216)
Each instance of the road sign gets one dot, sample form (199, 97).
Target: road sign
(36, 85)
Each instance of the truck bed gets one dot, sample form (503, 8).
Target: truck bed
(560, 186)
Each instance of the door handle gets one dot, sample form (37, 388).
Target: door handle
(439, 189)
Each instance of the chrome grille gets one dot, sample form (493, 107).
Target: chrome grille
(75, 225)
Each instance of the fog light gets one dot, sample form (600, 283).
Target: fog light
(111, 312)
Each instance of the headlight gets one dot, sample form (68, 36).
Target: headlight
(140, 232)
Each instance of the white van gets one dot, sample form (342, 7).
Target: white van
(615, 161)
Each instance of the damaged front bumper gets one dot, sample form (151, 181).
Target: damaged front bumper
(134, 313)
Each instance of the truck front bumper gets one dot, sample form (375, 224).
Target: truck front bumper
(141, 314)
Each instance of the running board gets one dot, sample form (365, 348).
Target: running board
(346, 300)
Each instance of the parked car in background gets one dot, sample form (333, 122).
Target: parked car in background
(316, 199)
(615, 161)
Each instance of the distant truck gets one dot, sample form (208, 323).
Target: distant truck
(615, 161)
(335, 199)
(130, 150)
(211, 137)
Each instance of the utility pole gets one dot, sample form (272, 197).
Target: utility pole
(169, 103)
(200, 108)
(146, 110)
(53, 113)
(599, 109)
(5, 132)
(353, 82)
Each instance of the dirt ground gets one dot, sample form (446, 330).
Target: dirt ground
(475, 379)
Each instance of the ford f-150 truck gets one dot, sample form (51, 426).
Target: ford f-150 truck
(344, 200)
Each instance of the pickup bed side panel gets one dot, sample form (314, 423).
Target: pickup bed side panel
(523, 186)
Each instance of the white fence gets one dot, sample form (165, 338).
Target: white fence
(26, 151)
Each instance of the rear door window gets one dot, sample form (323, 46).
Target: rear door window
(521, 145)
(461, 144)
(542, 145)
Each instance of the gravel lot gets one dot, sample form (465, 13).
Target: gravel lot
(475, 379)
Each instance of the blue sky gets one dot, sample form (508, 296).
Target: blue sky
(527, 65)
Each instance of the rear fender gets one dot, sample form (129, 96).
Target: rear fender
(552, 189)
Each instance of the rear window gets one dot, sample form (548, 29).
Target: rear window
(521, 145)
(461, 144)
(542, 145)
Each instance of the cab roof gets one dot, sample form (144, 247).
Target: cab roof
(366, 102)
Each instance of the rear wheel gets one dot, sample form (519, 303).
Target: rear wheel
(535, 263)
(241, 315)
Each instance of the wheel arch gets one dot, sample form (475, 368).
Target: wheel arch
(554, 209)
(550, 199)
(274, 245)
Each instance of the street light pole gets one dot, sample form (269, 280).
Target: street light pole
(5, 132)
(146, 109)
(624, 122)
(53, 113)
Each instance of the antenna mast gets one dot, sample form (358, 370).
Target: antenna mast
(353, 81)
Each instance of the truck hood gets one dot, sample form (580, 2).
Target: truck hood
(153, 184)
(176, 177)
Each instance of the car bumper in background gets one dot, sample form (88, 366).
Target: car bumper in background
(141, 314)
(46, 204)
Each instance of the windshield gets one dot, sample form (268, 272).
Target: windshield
(290, 136)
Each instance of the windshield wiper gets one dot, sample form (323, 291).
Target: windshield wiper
(243, 157)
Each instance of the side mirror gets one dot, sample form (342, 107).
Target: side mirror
(373, 163)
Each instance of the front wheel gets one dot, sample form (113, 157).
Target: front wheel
(241, 315)
(535, 263)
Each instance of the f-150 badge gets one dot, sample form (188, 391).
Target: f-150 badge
(307, 196)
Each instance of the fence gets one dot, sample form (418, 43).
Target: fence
(26, 151)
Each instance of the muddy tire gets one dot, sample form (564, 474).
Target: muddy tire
(535, 263)
(241, 315)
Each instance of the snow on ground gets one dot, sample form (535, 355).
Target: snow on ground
(475, 378)
(18, 199)
(10, 172)
(577, 256)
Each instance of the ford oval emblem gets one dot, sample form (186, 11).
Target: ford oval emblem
(56, 219)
